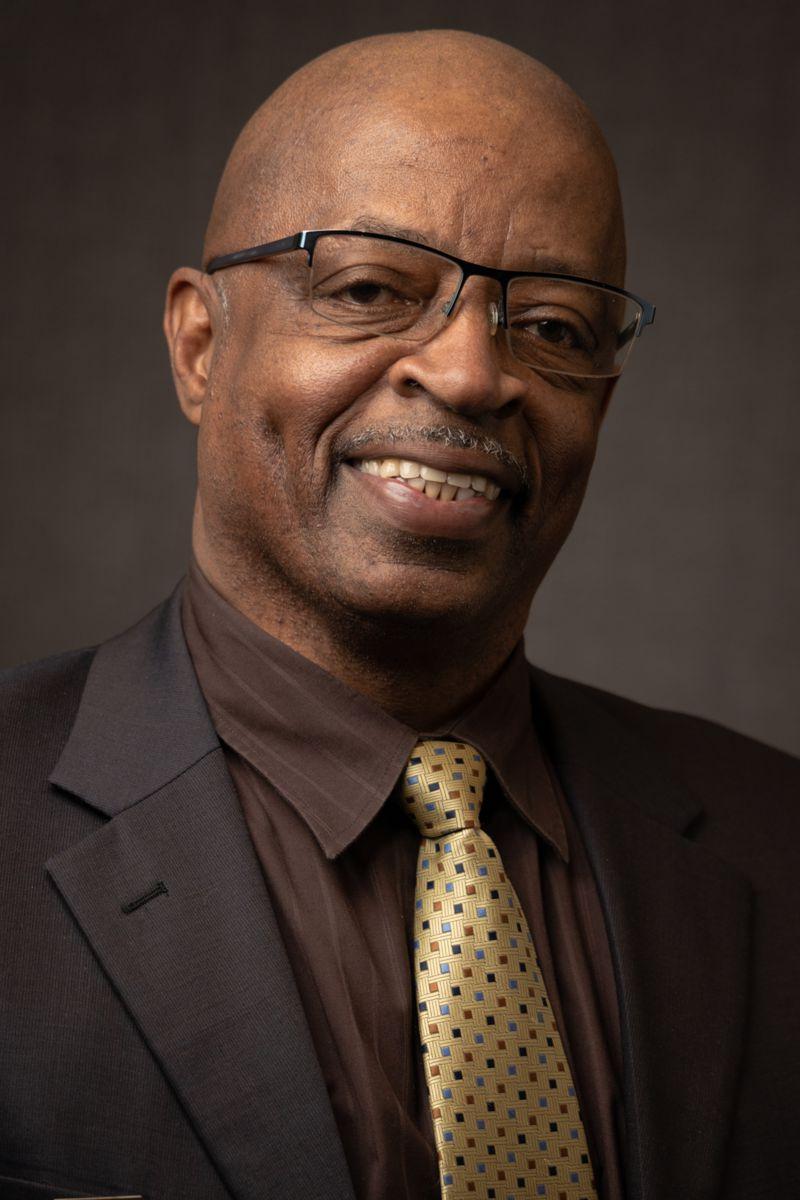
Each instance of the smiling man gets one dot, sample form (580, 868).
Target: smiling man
(315, 374)
(320, 891)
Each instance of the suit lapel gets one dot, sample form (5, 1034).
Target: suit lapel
(170, 896)
(679, 928)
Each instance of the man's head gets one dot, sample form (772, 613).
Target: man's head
(475, 148)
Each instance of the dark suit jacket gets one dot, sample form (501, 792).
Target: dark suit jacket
(152, 1040)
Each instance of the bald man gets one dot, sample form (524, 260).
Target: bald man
(315, 889)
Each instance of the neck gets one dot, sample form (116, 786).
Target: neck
(422, 673)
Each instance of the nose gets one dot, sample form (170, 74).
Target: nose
(467, 366)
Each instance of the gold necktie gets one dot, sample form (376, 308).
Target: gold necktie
(505, 1111)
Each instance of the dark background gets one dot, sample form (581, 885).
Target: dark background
(680, 584)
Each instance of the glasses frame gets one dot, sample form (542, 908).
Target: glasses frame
(307, 240)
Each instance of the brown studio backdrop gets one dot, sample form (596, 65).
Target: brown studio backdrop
(680, 583)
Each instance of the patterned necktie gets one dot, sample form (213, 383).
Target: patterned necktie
(505, 1111)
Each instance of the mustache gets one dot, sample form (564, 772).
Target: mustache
(451, 436)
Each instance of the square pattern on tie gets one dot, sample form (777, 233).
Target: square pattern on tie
(504, 1106)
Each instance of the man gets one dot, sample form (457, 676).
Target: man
(318, 889)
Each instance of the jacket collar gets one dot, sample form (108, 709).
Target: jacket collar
(583, 734)
(142, 720)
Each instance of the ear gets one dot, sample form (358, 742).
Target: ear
(191, 319)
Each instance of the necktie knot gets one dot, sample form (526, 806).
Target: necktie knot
(443, 787)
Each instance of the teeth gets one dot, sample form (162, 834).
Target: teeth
(439, 485)
(433, 474)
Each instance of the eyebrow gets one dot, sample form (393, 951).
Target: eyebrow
(376, 225)
(547, 263)
(559, 266)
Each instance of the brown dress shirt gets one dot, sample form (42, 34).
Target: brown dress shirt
(315, 766)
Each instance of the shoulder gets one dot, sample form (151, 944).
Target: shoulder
(735, 777)
(38, 703)
(690, 740)
(696, 741)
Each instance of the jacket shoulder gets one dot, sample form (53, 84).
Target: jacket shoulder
(684, 734)
(728, 771)
(38, 703)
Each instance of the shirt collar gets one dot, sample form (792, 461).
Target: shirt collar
(331, 752)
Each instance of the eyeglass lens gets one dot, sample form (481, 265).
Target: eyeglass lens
(377, 287)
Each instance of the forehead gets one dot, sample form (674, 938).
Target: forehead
(486, 186)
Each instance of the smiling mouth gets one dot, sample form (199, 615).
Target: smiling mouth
(450, 486)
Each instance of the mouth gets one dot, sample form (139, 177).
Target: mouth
(446, 493)
(425, 478)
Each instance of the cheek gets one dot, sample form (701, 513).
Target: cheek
(298, 387)
(276, 405)
(565, 428)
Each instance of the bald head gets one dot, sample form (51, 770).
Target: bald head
(419, 99)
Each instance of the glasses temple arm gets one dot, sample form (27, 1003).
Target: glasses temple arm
(267, 250)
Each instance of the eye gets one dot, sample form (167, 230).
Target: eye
(367, 287)
(566, 332)
(558, 333)
(367, 293)
(370, 297)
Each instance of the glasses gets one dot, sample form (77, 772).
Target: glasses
(379, 285)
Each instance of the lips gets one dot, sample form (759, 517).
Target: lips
(450, 454)
(393, 501)
(445, 486)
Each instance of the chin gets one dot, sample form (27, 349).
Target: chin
(418, 596)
